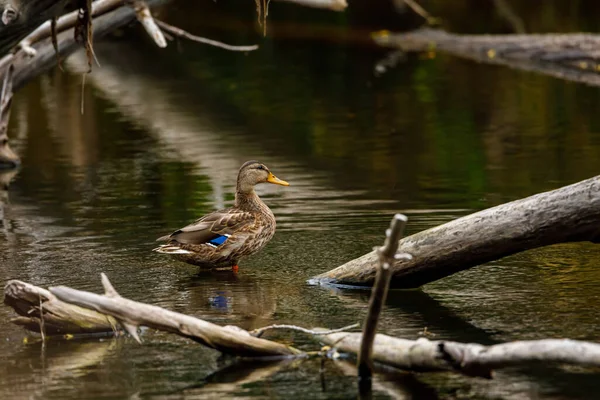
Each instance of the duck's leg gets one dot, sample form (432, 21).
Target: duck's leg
(235, 269)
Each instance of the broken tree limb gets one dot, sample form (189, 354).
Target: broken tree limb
(574, 57)
(568, 214)
(59, 317)
(132, 314)
(468, 358)
(386, 256)
(144, 16)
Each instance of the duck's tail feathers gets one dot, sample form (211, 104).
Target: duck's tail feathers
(171, 249)
(163, 238)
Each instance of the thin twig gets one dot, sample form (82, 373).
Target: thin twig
(421, 11)
(387, 256)
(42, 327)
(186, 35)
(258, 332)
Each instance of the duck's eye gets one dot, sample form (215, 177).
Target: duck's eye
(260, 167)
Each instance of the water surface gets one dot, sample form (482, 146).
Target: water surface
(161, 140)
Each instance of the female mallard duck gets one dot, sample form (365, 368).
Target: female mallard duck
(220, 239)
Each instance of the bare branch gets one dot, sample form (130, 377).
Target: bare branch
(259, 332)
(144, 16)
(186, 35)
(334, 5)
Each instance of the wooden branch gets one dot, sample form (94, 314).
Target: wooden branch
(387, 255)
(8, 158)
(59, 317)
(144, 16)
(110, 15)
(469, 359)
(186, 35)
(334, 5)
(131, 314)
(20, 18)
(568, 214)
(574, 57)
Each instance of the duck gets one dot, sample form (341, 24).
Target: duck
(219, 240)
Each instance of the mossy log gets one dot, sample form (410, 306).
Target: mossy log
(574, 57)
(568, 214)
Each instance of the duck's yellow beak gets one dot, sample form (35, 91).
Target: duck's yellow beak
(273, 179)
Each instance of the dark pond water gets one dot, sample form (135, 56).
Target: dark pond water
(161, 140)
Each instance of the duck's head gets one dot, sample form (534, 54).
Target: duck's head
(252, 173)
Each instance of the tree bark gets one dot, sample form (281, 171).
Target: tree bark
(33, 304)
(568, 214)
(574, 57)
(27, 16)
(468, 358)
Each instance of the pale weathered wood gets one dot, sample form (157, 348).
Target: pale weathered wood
(468, 358)
(59, 317)
(131, 314)
(568, 214)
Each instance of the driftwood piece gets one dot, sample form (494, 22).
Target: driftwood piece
(468, 358)
(58, 317)
(574, 57)
(568, 214)
(131, 314)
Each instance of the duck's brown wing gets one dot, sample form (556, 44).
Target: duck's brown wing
(213, 228)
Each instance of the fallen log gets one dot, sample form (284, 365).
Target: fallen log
(20, 17)
(468, 358)
(131, 314)
(568, 214)
(420, 355)
(39, 308)
(574, 57)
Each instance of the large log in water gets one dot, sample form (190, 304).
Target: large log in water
(568, 214)
(468, 358)
(574, 57)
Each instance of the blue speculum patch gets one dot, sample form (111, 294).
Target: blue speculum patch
(218, 240)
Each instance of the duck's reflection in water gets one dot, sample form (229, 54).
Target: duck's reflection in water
(231, 297)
